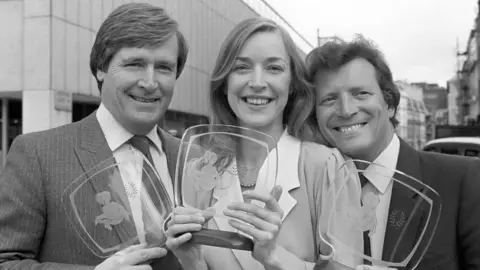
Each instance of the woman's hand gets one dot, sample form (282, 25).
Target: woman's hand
(182, 222)
(261, 223)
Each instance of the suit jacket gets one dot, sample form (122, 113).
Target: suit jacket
(35, 232)
(456, 243)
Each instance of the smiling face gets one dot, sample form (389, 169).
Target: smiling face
(138, 85)
(258, 85)
(351, 111)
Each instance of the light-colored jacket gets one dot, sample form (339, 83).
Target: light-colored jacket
(302, 168)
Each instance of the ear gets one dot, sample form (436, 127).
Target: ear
(391, 112)
(100, 75)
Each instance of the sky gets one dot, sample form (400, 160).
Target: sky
(417, 37)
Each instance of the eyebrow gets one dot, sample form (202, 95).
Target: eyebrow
(133, 59)
(141, 59)
(269, 59)
(356, 88)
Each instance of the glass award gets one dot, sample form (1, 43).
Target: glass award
(118, 203)
(216, 164)
(350, 218)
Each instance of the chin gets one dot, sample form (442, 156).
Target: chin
(257, 123)
(355, 150)
(143, 123)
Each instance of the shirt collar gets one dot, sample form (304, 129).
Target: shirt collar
(380, 176)
(116, 135)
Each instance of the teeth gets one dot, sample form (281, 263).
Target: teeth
(144, 100)
(350, 128)
(257, 101)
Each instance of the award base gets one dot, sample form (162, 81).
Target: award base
(222, 239)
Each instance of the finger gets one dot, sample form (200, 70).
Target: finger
(270, 201)
(131, 249)
(142, 255)
(208, 213)
(140, 267)
(277, 192)
(174, 231)
(187, 219)
(185, 210)
(259, 235)
(173, 243)
(368, 267)
(262, 213)
(250, 219)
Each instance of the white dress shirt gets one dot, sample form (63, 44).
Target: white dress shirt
(117, 138)
(383, 183)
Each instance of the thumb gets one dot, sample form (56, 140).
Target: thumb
(277, 192)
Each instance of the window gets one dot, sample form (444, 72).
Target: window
(472, 153)
(449, 151)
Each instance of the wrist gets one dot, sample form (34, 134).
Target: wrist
(192, 256)
(273, 262)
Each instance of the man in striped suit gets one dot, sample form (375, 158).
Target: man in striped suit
(136, 58)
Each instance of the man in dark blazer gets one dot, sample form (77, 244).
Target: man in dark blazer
(136, 59)
(357, 101)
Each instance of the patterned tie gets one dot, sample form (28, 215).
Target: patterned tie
(162, 202)
(366, 238)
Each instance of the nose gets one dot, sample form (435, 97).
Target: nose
(257, 81)
(347, 107)
(148, 80)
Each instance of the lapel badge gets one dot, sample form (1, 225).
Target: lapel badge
(396, 218)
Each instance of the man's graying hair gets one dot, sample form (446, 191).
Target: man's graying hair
(135, 25)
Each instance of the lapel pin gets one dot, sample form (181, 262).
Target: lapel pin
(396, 218)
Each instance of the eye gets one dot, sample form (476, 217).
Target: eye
(164, 68)
(275, 68)
(363, 94)
(241, 67)
(134, 64)
(327, 101)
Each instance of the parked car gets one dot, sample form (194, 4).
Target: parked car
(464, 146)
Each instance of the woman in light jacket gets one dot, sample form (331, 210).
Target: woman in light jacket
(259, 82)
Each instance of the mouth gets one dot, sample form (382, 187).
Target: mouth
(144, 100)
(257, 101)
(347, 129)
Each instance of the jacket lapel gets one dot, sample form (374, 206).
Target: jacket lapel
(170, 147)
(94, 154)
(287, 176)
(403, 217)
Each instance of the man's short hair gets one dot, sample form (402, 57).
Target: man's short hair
(135, 25)
(336, 53)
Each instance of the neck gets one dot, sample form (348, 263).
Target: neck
(377, 150)
(250, 154)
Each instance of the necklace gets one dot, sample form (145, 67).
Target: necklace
(242, 171)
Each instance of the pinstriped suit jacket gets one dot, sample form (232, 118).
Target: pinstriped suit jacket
(34, 229)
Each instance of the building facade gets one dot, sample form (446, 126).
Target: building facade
(412, 115)
(469, 80)
(454, 116)
(45, 75)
